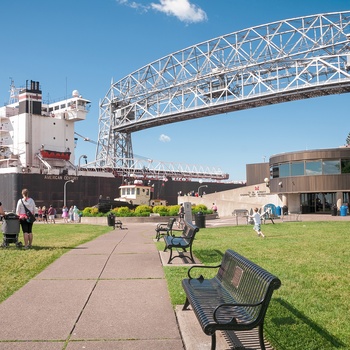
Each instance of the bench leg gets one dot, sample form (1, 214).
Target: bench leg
(171, 254)
(186, 305)
(213, 341)
(261, 337)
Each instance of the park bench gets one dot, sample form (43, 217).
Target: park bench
(241, 213)
(165, 229)
(182, 242)
(236, 299)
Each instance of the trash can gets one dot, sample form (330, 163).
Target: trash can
(111, 220)
(334, 210)
(343, 210)
(278, 211)
(200, 219)
(285, 210)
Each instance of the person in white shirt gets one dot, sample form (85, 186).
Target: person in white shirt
(257, 222)
(20, 211)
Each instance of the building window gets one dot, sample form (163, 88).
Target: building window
(284, 170)
(274, 172)
(297, 169)
(331, 167)
(313, 168)
(345, 166)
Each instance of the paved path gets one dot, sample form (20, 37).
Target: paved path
(110, 293)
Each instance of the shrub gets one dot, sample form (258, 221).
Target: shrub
(173, 210)
(122, 211)
(90, 211)
(162, 210)
(199, 208)
(143, 210)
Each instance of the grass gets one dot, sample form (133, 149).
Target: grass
(311, 311)
(18, 266)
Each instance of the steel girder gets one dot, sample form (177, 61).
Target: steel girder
(277, 62)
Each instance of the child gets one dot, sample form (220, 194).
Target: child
(257, 222)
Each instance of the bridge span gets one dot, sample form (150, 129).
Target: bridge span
(283, 61)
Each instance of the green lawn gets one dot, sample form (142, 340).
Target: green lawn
(311, 311)
(312, 308)
(18, 266)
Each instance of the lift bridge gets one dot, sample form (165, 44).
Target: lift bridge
(278, 62)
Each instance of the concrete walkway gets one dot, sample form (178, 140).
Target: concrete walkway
(110, 293)
(107, 294)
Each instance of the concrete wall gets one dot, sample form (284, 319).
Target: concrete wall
(241, 198)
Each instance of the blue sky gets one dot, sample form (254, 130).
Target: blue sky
(84, 44)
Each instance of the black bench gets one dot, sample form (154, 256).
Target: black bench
(235, 299)
(165, 229)
(183, 242)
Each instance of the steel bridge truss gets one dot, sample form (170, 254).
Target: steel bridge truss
(278, 62)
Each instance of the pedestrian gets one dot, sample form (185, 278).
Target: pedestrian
(75, 214)
(27, 227)
(44, 210)
(257, 222)
(71, 214)
(40, 214)
(214, 208)
(51, 211)
(1, 210)
(65, 214)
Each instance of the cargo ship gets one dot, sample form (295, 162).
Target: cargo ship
(37, 151)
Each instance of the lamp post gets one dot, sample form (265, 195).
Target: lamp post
(64, 191)
(83, 156)
(200, 188)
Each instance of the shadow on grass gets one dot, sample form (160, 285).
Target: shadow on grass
(209, 255)
(293, 321)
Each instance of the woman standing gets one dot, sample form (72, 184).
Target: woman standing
(26, 226)
(65, 214)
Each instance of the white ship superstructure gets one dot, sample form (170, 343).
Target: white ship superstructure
(39, 137)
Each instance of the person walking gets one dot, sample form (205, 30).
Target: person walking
(2, 212)
(51, 213)
(27, 227)
(71, 214)
(257, 222)
(44, 210)
(65, 214)
(181, 213)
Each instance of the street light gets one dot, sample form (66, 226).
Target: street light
(200, 188)
(83, 156)
(64, 191)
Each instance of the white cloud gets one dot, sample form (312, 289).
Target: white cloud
(181, 9)
(164, 138)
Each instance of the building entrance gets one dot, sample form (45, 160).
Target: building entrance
(317, 202)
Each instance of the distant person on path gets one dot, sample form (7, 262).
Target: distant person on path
(75, 214)
(214, 208)
(257, 222)
(181, 213)
(44, 214)
(71, 214)
(65, 214)
(1, 210)
(27, 227)
(51, 213)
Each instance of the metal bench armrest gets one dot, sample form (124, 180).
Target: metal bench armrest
(202, 267)
(232, 305)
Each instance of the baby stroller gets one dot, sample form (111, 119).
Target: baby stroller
(10, 229)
